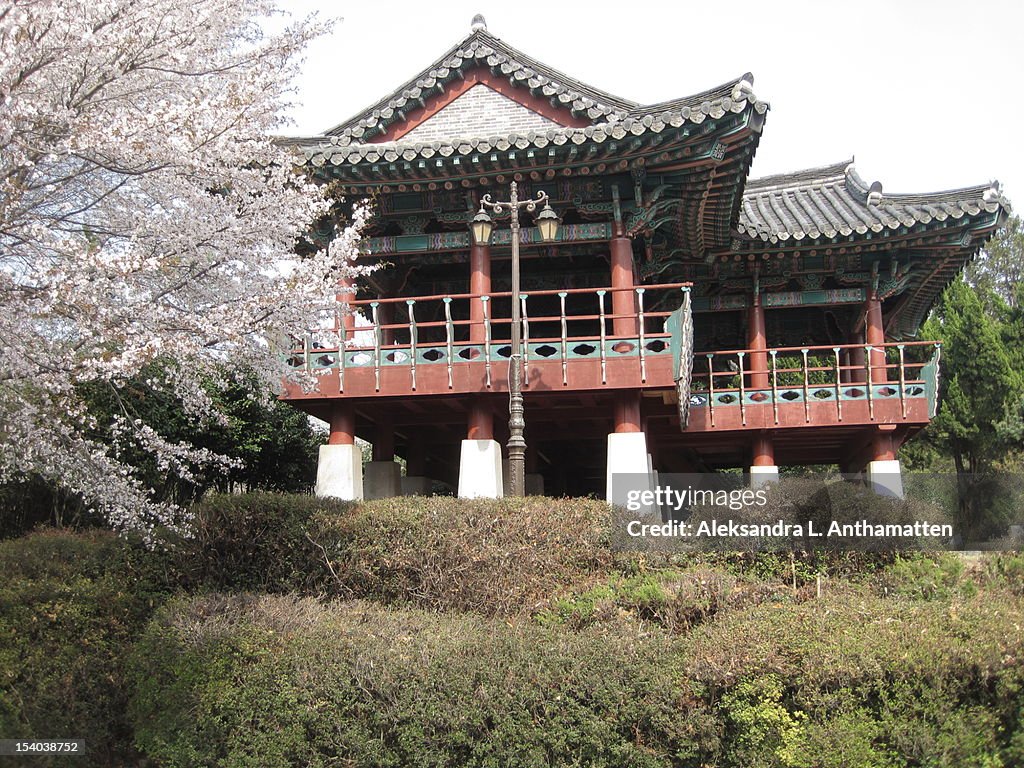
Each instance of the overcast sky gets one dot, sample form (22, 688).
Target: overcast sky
(926, 95)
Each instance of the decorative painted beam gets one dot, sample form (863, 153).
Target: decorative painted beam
(781, 299)
(455, 241)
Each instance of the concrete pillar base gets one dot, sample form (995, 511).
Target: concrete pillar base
(339, 472)
(885, 478)
(382, 479)
(480, 474)
(534, 483)
(763, 475)
(627, 456)
(416, 486)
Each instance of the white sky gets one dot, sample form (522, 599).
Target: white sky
(923, 94)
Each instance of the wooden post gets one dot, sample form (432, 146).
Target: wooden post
(343, 425)
(481, 420)
(874, 335)
(757, 344)
(762, 451)
(479, 283)
(623, 297)
(384, 440)
(626, 411)
(346, 295)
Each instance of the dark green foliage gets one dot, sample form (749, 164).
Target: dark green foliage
(505, 556)
(850, 679)
(70, 607)
(274, 442)
(276, 681)
(893, 681)
(257, 541)
(538, 645)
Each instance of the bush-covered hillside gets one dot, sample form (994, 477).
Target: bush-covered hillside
(433, 632)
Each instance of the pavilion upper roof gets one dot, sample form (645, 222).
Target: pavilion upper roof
(595, 114)
(833, 201)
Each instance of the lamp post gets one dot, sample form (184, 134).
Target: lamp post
(482, 228)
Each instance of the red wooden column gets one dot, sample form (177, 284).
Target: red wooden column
(758, 344)
(481, 417)
(346, 295)
(623, 301)
(343, 425)
(857, 372)
(883, 446)
(479, 284)
(416, 457)
(874, 335)
(384, 441)
(481, 420)
(762, 451)
(626, 411)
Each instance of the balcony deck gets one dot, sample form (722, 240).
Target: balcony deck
(454, 346)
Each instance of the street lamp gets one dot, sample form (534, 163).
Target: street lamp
(482, 228)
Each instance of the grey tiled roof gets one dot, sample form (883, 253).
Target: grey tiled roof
(833, 201)
(612, 117)
(481, 48)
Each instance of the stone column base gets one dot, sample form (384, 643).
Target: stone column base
(627, 457)
(480, 474)
(382, 479)
(886, 478)
(417, 486)
(764, 474)
(339, 472)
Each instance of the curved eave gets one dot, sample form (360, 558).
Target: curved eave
(833, 202)
(329, 152)
(480, 48)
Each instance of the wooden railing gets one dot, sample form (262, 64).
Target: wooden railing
(807, 375)
(450, 330)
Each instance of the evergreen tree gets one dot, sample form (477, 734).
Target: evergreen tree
(979, 388)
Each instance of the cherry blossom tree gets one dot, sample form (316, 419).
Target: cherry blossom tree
(146, 213)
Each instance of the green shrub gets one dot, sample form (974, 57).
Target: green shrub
(504, 557)
(493, 557)
(900, 682)
(926, 577)
(277, 681)
(70, 607)
(256, 541)
(676, 600)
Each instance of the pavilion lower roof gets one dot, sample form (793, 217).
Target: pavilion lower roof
(811, 210)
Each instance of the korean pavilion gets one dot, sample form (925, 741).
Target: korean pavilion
(684, 319)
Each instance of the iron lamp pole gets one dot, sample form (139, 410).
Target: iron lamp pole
(482, 228)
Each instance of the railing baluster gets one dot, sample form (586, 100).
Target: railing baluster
(711, 387)
(306, 344)
(867, 367)
(775, 384)
(640, 319)
(525, 340)
(374, 313)
(743, 391)
(449, 333)
(412, 341)
(839, 394)
(604, 338)
(565, 339)
(807, 401)
(486, 302)
(903, 383)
